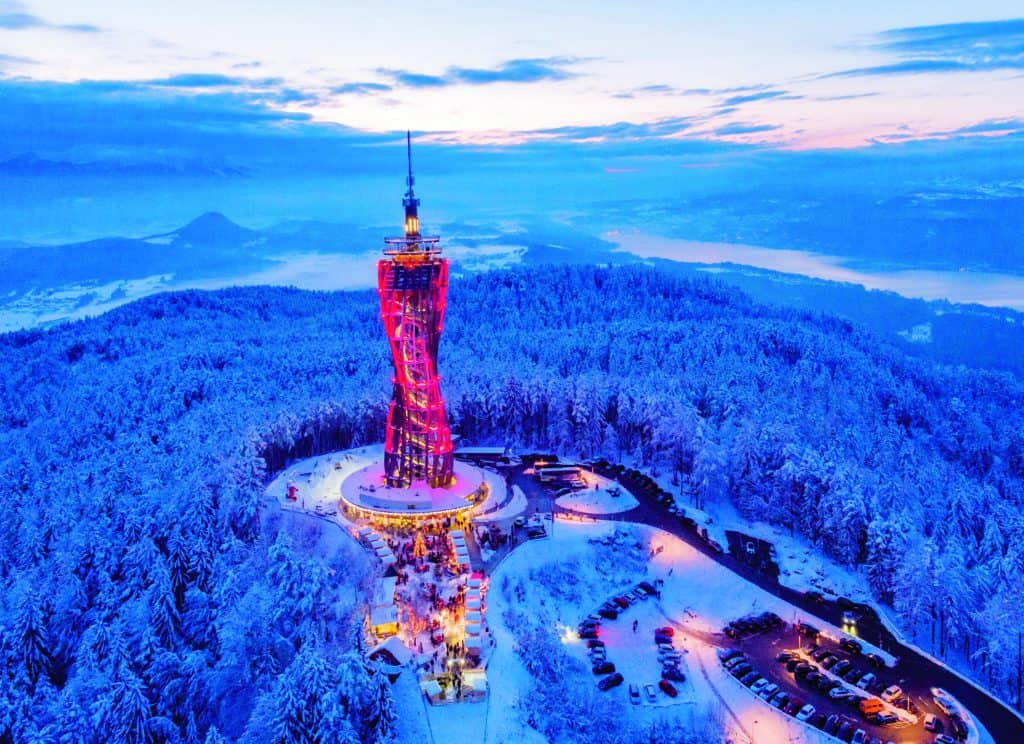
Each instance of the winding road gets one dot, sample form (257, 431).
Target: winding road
(1002, 722)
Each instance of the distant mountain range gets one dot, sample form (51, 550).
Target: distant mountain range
(31, 165)
(45, 284)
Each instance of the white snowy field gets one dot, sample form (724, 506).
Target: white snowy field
(550, 585)
(602, 496)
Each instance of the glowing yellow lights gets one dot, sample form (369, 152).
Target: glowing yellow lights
(412, 225)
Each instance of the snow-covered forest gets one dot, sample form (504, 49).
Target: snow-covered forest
(140, 594)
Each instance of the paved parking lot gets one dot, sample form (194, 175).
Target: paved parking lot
(762, 649)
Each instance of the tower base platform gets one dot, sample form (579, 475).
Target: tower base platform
(365, 493)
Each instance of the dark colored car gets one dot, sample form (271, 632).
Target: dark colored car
(792, 664)
(658, 638)
(668, 688)
(959, 727)
(784, 656)
(595, 643)
(588, 632)
(831, 724)
(780, 700)
(818, 720)
(741, 669)
(845, 731)
(812, 678)
(841, 667)
(647, 587)
(673, 673)
(607, 614)
(603, 667)
(851, 646)
(875, 660)
(808, 630)
(802, 670)
(820, 654)
(731, 653)
(622, 602)
(830, 661)
(612, 680)
(750, 678)
(853, 674)
(793, 706)
(814, 597)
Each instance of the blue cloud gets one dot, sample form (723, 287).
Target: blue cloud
(413, 79)
(19, 21)
(198, 80)
(741, 128)
(762, 95)
(526, 70)
(360, 89)
(516, 71)
(953, 47)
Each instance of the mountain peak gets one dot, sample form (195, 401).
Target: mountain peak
(211, 229)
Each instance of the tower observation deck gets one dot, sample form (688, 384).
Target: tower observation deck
(412, 280)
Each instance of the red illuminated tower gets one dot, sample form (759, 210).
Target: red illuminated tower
(413, 285)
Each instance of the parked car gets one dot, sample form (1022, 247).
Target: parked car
(668, 688)
(650, 693)
(673, 673)
(603, 667)
(759, 684)
(813, 678)
(608, 614)
(784, 656)
(724, 654)
(805, 713)
(742, 669)
(932, 723)
(808, 630)
(875, 660)
(831, 724)
(612, 680)
(839, 693)
(818, 720)
(734, 661)
(595, 643)
(780, 700)
(794, 706)
(842, 667)
(792, 664)
(830, 661)
(647, 587)
(944, 739)
(634, 694)
(959, 727)
(850, 646)
(845, 731)
(867, 680)
(820, 654)
(622, 602)
(749, 678)
(853, 674)
(860, 736)
(768, 690)
(666, 630)
(802, 670)
(891, 693)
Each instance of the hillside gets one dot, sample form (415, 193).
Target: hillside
(134, 446)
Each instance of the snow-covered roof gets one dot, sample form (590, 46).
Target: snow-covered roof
(472, 604)
(473, 628)
(385, 593)
(473, 616)
(384, 615)
(393, 646)
(473, 642)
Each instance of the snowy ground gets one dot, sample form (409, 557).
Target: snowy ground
(568, 576)
(602, 496)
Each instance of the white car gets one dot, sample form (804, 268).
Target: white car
(634, 694)
(839, 693)
(891, 693)
(805, 713)
(768, 691)
(651, 693)
(758, 686)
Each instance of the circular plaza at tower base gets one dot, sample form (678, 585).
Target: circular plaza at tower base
(365, 494)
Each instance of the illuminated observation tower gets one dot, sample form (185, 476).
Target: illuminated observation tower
(413, 283)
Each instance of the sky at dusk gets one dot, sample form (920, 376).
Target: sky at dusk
(790, 74)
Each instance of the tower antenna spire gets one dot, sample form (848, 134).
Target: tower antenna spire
(410, 202)
(408, 152)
